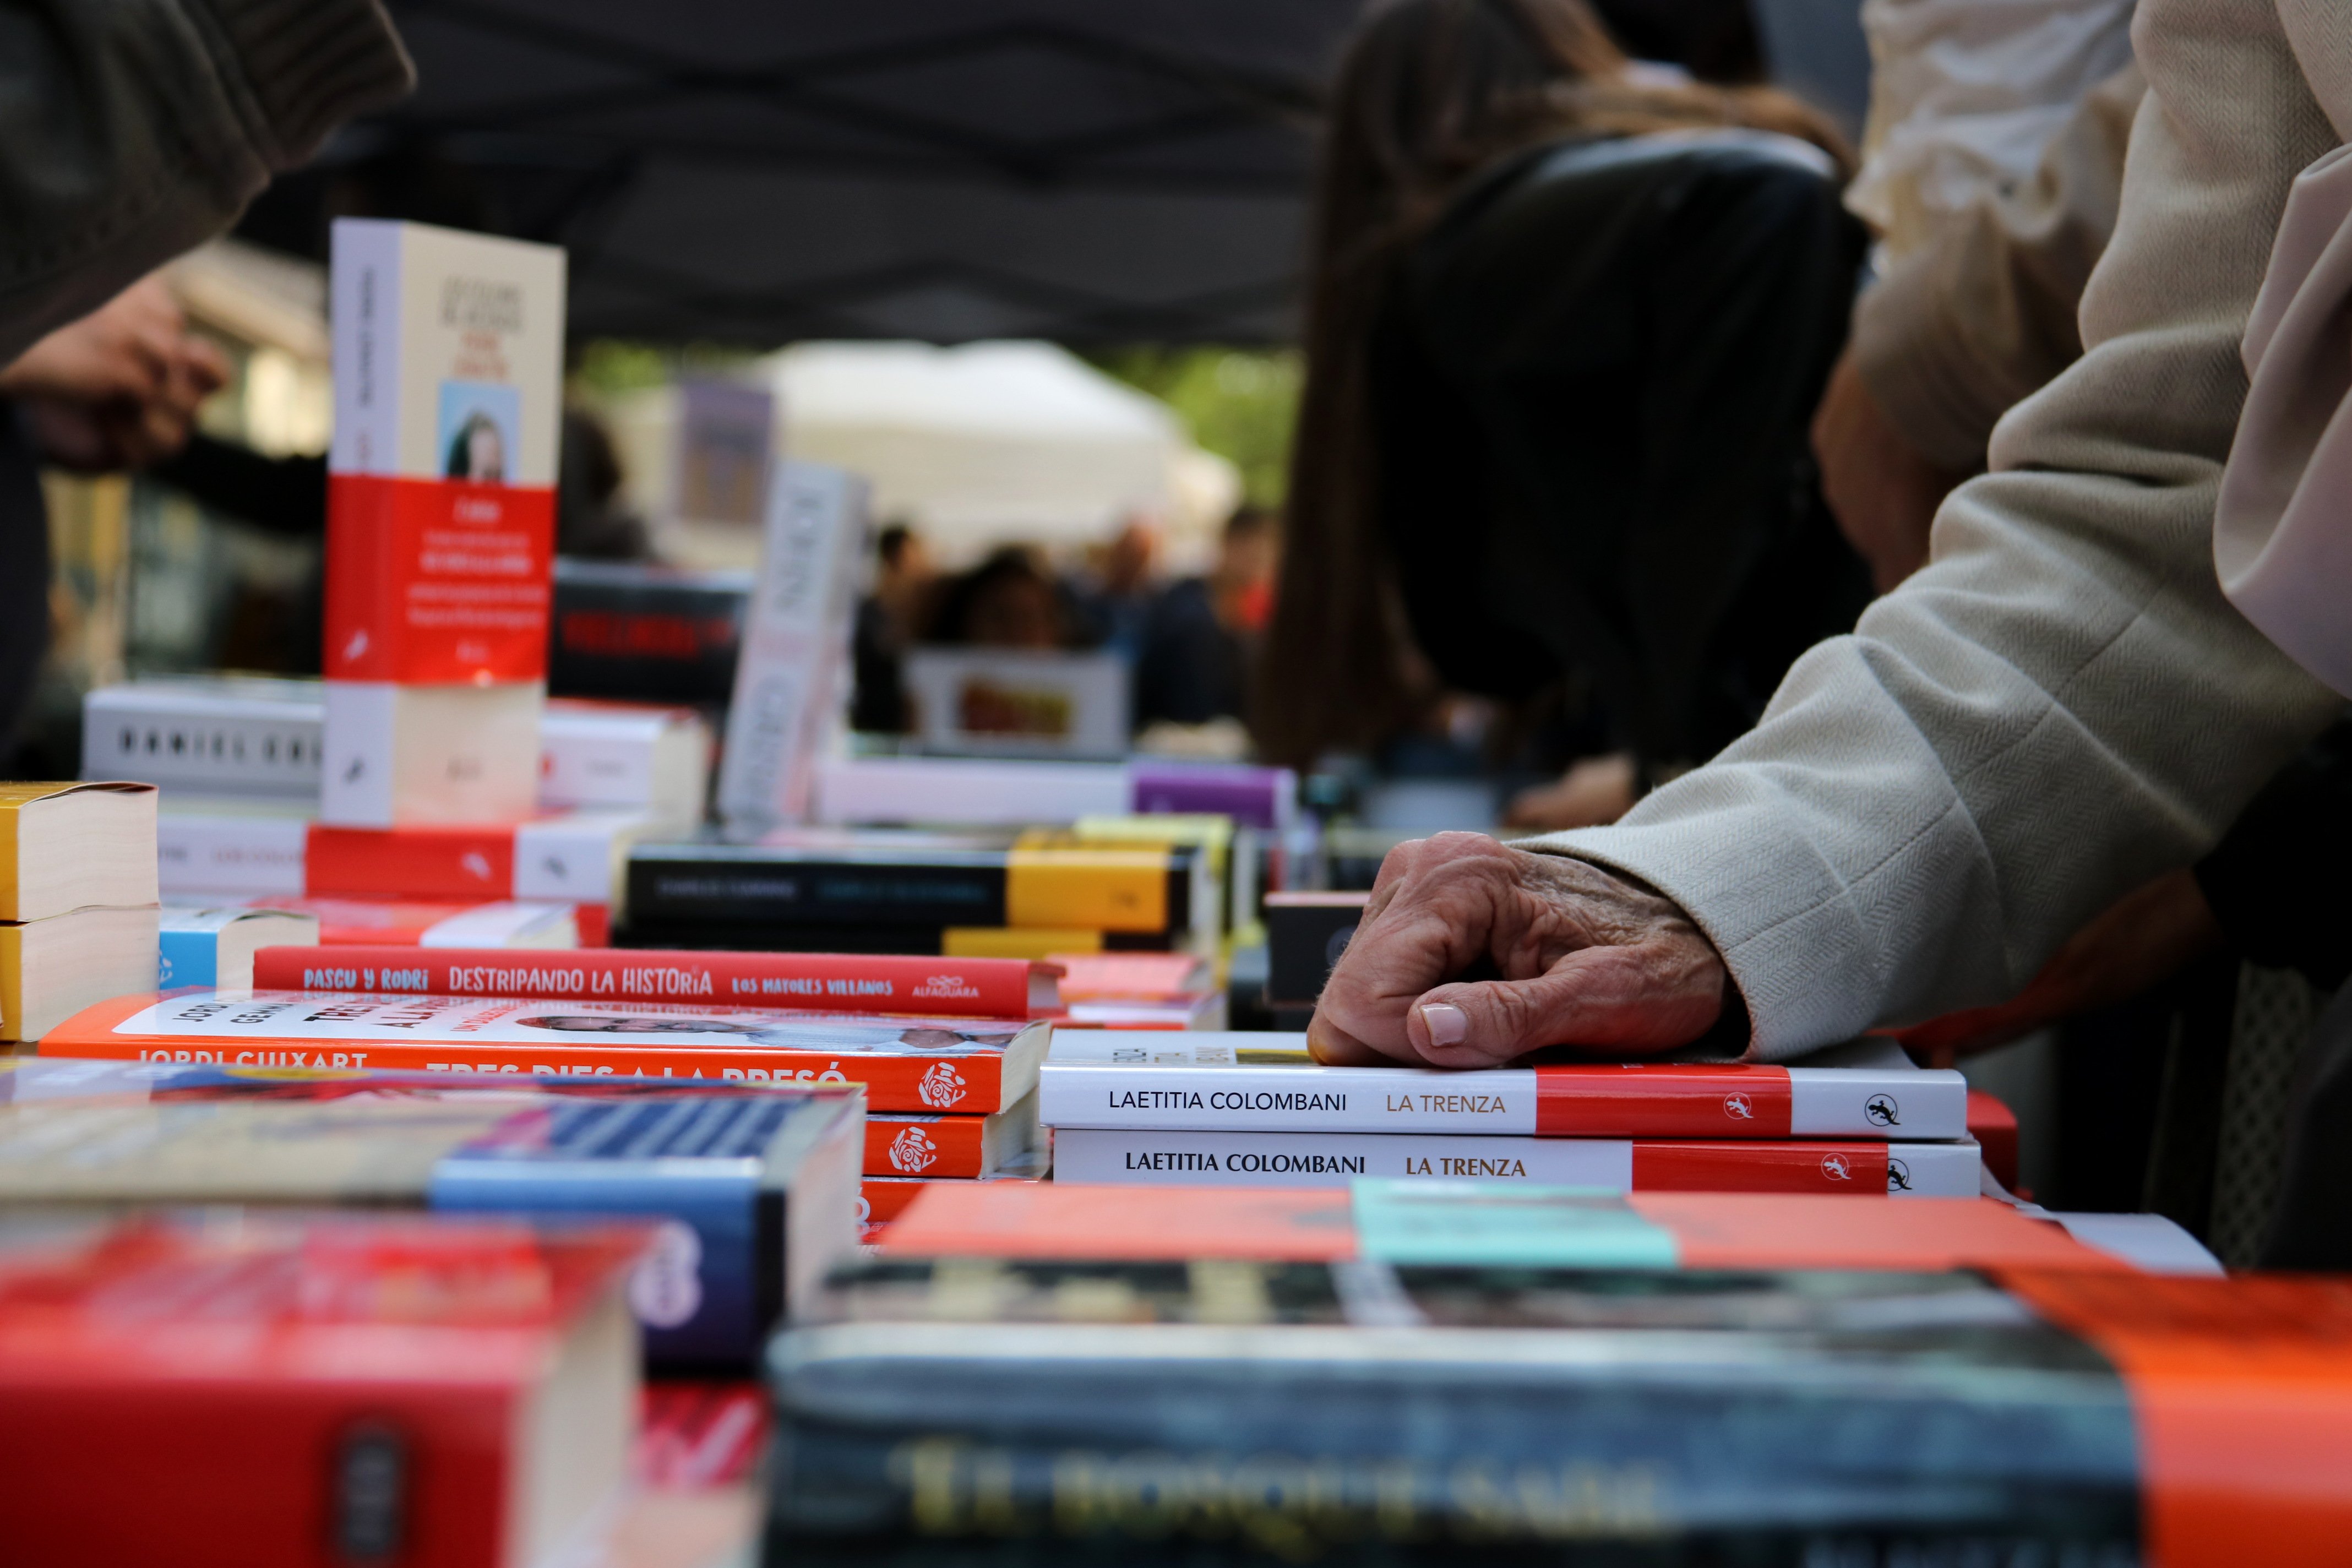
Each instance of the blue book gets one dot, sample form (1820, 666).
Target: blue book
(216, 947)
(753, 1188)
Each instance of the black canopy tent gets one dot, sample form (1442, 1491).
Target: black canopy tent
(758, 171)
(753, 172)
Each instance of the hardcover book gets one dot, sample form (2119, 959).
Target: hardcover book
(970, 1067)
(278, 1391)
(1417, 1414)
(755, 1188)
(1267, 1082)
(792, 679)
(1915, 1169)
(440, 522)
(841, 983)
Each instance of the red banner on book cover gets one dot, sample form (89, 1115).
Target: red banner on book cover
(434, 581)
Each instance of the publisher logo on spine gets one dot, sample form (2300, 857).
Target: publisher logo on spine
(1881, 1111)
(912, 1152)
(1740, 1108)
(1835, 1167)
(1898, 1178)
(939, 1087)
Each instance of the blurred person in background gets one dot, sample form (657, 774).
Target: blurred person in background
(1011, 601)
(890, 621)
(1112, 599)
(1567, 326)
(1200, 638)
(117, 389)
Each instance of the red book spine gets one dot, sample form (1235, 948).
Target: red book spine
(932, 1146)
(1757, 1167)
(475, 864)
(955, 987)
(969, 1085)
(1670, 1100)
(437, 579)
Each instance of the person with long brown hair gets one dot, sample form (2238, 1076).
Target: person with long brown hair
(1566, 326)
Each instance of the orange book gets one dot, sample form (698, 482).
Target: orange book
(907, 1064)
(1709, 1230)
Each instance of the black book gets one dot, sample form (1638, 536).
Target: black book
(919, 882)
(984, 1412)
(644, 634)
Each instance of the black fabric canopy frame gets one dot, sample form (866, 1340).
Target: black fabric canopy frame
(1080, 170)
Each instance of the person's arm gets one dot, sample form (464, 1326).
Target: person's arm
(2059, 707)
(130, 130)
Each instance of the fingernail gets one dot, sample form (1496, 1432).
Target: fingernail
(1448, 1024)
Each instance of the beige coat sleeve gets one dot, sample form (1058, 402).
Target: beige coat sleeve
(2061, 705)
(1976, 319)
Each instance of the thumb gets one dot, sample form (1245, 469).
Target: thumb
(1643, 997)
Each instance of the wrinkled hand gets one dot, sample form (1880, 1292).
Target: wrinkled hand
(120, 387)
(1586, 959)
(1884, 494)
(2143, 937)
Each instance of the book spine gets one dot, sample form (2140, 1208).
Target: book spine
(688, 887)
(966, 1085)
(464, 863)
(654, 643)
(186, 958)
(852, 791)
(574, 858)
(1862, 1103)
(1111, 1156)
(184, 747)
(1317, 1100)
(931, 1146)
(795, 639)
(211, 855)
(964, 988)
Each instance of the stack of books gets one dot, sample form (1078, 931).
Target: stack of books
(948, 1049)
(1255, 1110)
(1141, 991)
(78, 901)
(753, 1185)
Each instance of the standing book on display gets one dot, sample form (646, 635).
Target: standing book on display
(792, 681)
(448, 352)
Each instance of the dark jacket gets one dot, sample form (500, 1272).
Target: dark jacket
(1592, 383)
(131, 130)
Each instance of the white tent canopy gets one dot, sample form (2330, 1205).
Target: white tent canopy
(975, 446)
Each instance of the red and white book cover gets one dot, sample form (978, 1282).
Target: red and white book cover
(441, 523)
(1109, 1156)
(838, 983)
(970, 1067)
(410, 924)
(284, 1392)
(1214, 1082)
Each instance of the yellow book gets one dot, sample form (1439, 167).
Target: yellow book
(1015, 942)
(1052, 881)
(52, 969)
(66, 846)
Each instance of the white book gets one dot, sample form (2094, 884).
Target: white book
(1019, 702)
(261, 739)
(228, 847)
(652, 760)
(973, 792)
(791, 678)
(1111, 1156)
(1216, 1081)
(227, 735)
(216, 947)
(447, 366)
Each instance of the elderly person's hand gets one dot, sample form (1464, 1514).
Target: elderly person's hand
(120, 387)
(1883, 493)
(1584, 957)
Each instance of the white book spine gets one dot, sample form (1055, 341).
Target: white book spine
(364, 287)
(1113, 1156)
(229, 746)
(1285, 1098)
(791, 677)
(355, 785)
(575, 857)
(243, 855)
(855, 790)
(1868, 1102)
